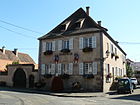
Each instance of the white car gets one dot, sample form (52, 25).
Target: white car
(134, 82)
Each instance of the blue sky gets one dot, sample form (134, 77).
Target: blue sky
(120, 17)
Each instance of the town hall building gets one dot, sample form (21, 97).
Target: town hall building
(79, 54)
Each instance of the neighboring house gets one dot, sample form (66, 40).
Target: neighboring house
(130, 63)
(21, 71)
(80, 54)
(137, 70)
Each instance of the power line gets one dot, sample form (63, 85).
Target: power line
(20, 27)
(17, 32)
(129, 43)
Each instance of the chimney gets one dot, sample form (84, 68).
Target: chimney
(99, 22)
(16, 52)
(87, 10)
(3, 49)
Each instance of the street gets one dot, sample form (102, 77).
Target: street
(27, 98)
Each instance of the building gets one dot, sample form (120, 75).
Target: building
(79, 54)
(136, 66)
(17, 69)
(130, 63)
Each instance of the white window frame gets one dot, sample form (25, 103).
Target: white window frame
(65, 44)
(48, 46)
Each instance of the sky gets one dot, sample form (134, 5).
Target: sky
(120, 17)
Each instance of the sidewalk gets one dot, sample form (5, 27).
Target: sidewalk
(59, 94)
(80, 95)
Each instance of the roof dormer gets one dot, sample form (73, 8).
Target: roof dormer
(78, 24)
(65, 25)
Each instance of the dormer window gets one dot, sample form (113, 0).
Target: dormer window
(65, 25)
(78, 24)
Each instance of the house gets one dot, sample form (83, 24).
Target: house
(16, 69)
(79, 54)
(136, 67)
(130, 63)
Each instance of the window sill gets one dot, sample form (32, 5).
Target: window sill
(87, 49)
(49, 52)
(65, 50)
(88, 76)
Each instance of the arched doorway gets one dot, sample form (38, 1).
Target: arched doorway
(57, 84)
(31, 81)
(19, 79)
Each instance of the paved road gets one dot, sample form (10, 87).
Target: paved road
(22, 98)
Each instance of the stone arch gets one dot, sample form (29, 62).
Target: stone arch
(19, 78)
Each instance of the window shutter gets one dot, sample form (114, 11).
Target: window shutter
(52, 68)
(42, 69)
(59, 68)
(81, 68)
(70, 68)
(59, 45)
(71, 43)
(111, 48)
(93, 41)
(106, 68)
(89, 68)
(43, 46)
(95, 68)
(47, 69)
(53, 45)
(81, 43)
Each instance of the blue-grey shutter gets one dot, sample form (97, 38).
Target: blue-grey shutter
(95, 68)
(81, 43)
(43, 69)
(81, 69)
(59, 45)
(70, 68)
(106, 69)
(53, 45)
(47, 69)
(94, 41)
(52, 68)
(43, 46)
(59, 68)
(71, 44)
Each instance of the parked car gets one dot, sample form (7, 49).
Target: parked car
(124, 85)
(134, 82)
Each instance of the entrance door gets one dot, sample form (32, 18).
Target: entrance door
(57, 84)
(31, 81)
(19, 79)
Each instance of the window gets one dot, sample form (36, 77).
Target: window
(112, 48)
(113, 73)
(88, 42)
(65, 25)
(107, 69)
(48, 69)
(87, 68)
(64, 68)
(116, 71)
(78, 24)
(65, 44)
(115, 50)
(49, 46)
(107, 46)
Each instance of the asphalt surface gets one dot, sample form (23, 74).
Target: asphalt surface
(29, 97)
